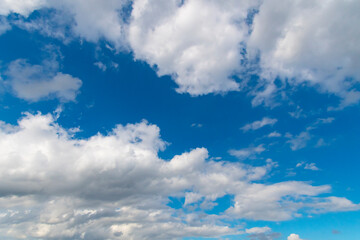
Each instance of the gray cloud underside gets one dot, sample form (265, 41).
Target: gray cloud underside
(115, 186)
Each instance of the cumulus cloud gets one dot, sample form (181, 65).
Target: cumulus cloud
(112, 186)
(259, 124)
(23, 7)
(309, 42)
(308, 166)
(198, 42)
(36, 82)
(294, 236)
(202, 44)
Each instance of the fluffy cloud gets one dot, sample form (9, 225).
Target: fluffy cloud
(314, 42)
(202, 44)
(23, 7)
(259, 124)
(35, 82)
(308, 166)
(198, 42)
(96, 19)
(294, 236)
(110, 186)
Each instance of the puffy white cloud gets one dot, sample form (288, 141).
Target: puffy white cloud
(35, 82)
(23, 7)
(294, 236)
(316, 42)
(111, 186)
(259, 124)
(198, 42)
(96, 19)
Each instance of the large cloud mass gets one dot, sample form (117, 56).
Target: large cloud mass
(111, 186)
(206, 45)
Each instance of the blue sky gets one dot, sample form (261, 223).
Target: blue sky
(179, 120)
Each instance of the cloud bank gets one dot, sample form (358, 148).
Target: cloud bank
(212, 47)
(111, 186)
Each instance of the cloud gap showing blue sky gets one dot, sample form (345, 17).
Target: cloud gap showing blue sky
(168, 119)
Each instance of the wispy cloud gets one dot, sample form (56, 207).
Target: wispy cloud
(259, 124)
(308, 166)
(249, 152)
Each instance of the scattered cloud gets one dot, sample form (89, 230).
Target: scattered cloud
(274, 134)
(308, 166)
(298, 113)
(101, 66)
(113, 185)
(36, 82)
(261, 233)
(174, 37)
(296, 42)
(298, 142)
(196, 125)
(249, 152)
(294, 236)
(259, 124)
(319, 122)
(4, 25)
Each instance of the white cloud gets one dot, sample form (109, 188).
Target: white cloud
(300, 141)
(111, 186)
(308, 166)
(311, 166)
(274, 134)
(310, 41)
(23, 7)
(4, 25)
(259, 124)
(35, 82)
(294, 236)
(198, 42)
(96, 19)
(249, 152)
(258, 230)
(261, 233)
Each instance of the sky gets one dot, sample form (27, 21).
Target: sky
(179, 119)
